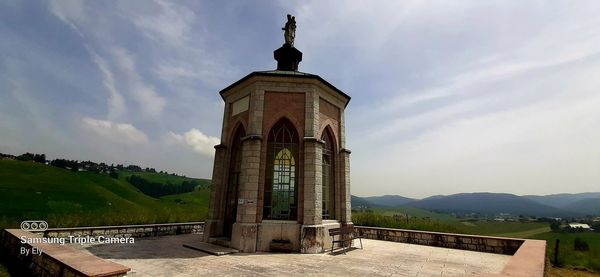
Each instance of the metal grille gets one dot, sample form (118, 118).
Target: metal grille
(281, 193)
(328, 180)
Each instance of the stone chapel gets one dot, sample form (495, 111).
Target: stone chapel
(281, 175)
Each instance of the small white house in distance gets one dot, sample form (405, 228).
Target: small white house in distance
(579, 225)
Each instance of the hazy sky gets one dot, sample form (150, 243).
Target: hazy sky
(447, 96)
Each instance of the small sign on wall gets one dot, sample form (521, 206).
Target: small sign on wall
(242, 201)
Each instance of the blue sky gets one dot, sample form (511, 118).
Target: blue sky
(447, 96)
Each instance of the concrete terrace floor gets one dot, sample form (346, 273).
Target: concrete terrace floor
(165, 256)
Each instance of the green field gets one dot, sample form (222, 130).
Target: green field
(416, 212)
(418, 219)
(65, 199)
(524, 234)
(506, 229)
(163, 178)
(567, 255)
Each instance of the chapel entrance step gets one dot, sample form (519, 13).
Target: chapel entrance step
(222, 241)
(210, 248)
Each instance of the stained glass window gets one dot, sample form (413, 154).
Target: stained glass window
(281, 189)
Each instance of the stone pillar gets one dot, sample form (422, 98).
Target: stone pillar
(345, 198)
(313, 231)
(312, 182)
(244, 233)
(214, 223)
(245, 229)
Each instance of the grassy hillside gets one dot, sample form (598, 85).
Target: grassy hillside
(164, 178)
(65, 198)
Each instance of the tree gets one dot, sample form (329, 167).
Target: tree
(580, 245)
(555, 225)
(25, 157)
(39, 158)
(114, 174)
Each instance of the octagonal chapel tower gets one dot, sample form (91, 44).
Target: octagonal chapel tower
(281, 173)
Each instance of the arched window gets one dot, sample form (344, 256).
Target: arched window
(281, 188)
(328, 176)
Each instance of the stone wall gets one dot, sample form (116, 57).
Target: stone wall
(46, 260)
(458, 241)
(136, 231)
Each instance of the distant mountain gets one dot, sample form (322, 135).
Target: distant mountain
(564, 199)
(434, 197)
(489, 203)
(389, 200)
(556, 205)
(361, 202)
(588, 206)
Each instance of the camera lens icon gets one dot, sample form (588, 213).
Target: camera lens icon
(34, 225)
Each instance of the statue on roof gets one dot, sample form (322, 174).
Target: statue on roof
(290, 30)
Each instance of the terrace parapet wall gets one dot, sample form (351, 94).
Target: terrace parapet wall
(499, 245)
(135, 231)
(52, 260)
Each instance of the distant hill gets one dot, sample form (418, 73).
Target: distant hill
(489, 203)
(563, 199)
(557, 205)
(361, 202)
(389, 200)
(588, 206)
(434, 197)
(66, 198)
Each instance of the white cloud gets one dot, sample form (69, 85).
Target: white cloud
(194, 139)
(170, 25)
(116, 103)
(69, 12)
(151, 103)
(546, 145)
(117, 132)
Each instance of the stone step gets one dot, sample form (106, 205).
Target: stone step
(222, 241)
(209, 248)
